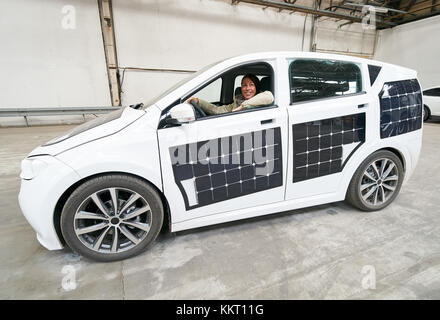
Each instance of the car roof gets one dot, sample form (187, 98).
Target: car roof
(163, 101)
(302, 54)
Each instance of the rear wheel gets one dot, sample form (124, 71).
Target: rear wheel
(376, 182)
(112, 217)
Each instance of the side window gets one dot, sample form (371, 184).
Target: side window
(211, 92)
(237, 82)
(218, 96)
(432, 92)
(312, 79)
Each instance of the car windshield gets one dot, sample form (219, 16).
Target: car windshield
(180, 83)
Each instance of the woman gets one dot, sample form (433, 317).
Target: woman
(250, 97)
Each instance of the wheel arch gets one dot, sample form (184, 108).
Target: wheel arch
(62, 200)
(394, 150)
(398, 154)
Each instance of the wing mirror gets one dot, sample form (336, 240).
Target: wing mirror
(180, 114)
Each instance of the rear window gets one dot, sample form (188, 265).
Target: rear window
(432, 92)
(312, 79)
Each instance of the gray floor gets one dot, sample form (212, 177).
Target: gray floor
(325, 252)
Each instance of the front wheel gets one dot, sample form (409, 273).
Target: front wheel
(376, 182)
(112, 217)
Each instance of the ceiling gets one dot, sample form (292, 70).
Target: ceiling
(388, 13)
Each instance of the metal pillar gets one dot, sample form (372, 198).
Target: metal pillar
(111, 57)
(312, 46)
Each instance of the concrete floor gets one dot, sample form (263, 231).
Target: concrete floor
(324, 252)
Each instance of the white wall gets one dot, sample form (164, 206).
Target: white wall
(189, 34)
(177, 34)
(350, 39)
(45, 65)
(414, 45)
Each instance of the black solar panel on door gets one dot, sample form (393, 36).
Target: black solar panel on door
(241, 165)
(317, 145)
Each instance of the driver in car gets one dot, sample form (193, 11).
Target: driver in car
(250, 97)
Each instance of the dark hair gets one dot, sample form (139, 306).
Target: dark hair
(255, 80)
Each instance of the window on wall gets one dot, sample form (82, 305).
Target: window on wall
(312, 79)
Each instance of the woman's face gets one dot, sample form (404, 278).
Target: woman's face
(248, 89)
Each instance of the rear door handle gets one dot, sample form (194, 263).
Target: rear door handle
(266, 121)
(364, 105)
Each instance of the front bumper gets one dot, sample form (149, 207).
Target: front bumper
(38, 197)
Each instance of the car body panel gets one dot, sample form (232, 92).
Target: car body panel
(137, 154)
(127, 117)
(39, 196)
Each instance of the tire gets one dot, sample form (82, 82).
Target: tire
(91, 227)
(426, 113)
(377, 181)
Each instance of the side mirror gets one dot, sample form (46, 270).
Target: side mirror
(180, 114)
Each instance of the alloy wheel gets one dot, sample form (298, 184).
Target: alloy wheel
(379, 182)
(112, 220)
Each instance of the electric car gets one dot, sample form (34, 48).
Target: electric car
(339, 128)
(431, 100)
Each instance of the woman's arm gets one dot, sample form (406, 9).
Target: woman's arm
(211, 109)
(258, 100)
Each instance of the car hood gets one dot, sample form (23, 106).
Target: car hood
(100, 127)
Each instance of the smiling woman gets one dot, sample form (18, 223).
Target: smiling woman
(250, 97)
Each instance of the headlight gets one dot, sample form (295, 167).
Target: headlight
(31, 167)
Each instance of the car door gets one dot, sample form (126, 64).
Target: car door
(328, 112)
(226, 162)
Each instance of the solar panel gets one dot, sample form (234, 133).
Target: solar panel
(318, 145)
(220, 169)
(400, 107)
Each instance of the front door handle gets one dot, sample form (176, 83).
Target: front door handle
(266, 121)
(360, 106)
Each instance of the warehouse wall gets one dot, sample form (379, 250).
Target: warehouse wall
(47, 65)
(414, 45)
(49, 58)
(190, 34)
(343, 38)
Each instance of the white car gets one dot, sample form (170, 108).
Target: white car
(339, 128)
(431, 100)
